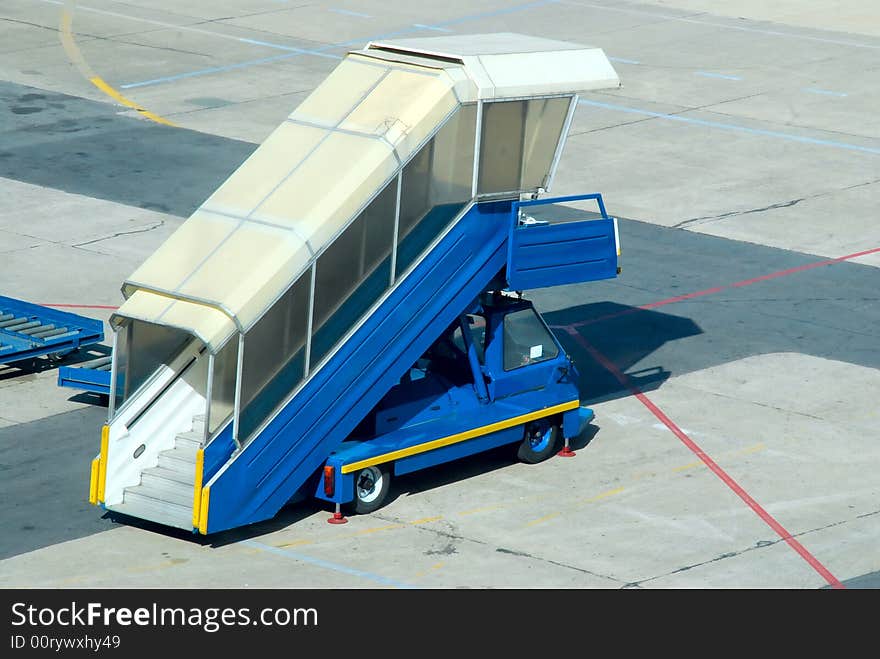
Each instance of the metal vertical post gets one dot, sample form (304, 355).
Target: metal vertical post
(209, 392)
(114, 365)
(311, 319)
(236, 413)
(477, 140)
(396, 228)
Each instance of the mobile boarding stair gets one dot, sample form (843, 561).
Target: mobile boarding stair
(254, 341)
(29, 330)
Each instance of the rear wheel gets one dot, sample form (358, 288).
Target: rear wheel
(539, 442)
(371, 486)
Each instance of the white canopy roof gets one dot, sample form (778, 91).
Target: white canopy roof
(267, 222)
(507, 65)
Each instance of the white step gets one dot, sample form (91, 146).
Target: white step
(188, 440)
(155, 511)
(179, 459)
(173, 493)
(160, 476)
(198, 426)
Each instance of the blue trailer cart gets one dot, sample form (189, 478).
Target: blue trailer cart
(92, 376)
(30, 330)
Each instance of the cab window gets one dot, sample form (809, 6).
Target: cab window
(526, 340)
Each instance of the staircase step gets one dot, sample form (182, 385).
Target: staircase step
(188, 440)
(159, 475)
(199, 424)
(179, 460)
(170, 492)
(161, 512)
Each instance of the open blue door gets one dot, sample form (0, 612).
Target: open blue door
(553, 245)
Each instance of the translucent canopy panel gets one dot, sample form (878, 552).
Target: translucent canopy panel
(403, 110)
(518, 143)
(298, 191)
(211, 325)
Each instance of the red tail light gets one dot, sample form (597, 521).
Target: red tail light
(329, 481)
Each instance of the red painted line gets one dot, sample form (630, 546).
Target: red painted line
(80, 306)
(679, 298)
(708, 461)
(719, 289)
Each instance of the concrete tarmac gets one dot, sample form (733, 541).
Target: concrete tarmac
(734, 366)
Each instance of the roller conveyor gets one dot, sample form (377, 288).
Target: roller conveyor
(30, 330)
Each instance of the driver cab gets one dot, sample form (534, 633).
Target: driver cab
(502, 348)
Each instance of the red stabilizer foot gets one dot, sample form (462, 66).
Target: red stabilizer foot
(566, 452)
(337, 519)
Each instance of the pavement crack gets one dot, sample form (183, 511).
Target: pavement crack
(152, 227)
(42, 27)
(711, 218)
(783, 204)
(452, 537)
(760, 544)
(753, 402)
(567, 566)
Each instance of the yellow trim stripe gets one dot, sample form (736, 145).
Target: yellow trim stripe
(102, 468)
(203, 511)
(460, 437)
(93, 481)
(197, 486)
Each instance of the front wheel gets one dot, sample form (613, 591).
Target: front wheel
(539, 442)
(371, 486)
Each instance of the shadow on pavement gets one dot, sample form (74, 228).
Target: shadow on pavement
(625, 336)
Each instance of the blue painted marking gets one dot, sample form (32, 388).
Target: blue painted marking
(292, 49)
(724, 76)
(496, 12)
(336, 567)
(826, 92)
(623, 60)
(734, 127)
(346, 12)
(431, 27)
(215, 69)
(342, 44)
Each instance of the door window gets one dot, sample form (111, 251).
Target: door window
(526, 340)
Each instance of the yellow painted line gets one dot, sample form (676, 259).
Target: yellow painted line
(197, 486)
(93, 481)
(483, 509)
(460, 437)
(99, 82)
(598, 497)
(425, 520)
(689, 465)
(76, 57)
(605, 495)
(543, 519)
(102, 467)
(203, 510)
(376, 529)
(294, 543)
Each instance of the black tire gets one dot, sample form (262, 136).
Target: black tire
(371, 487)
(540, 441)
